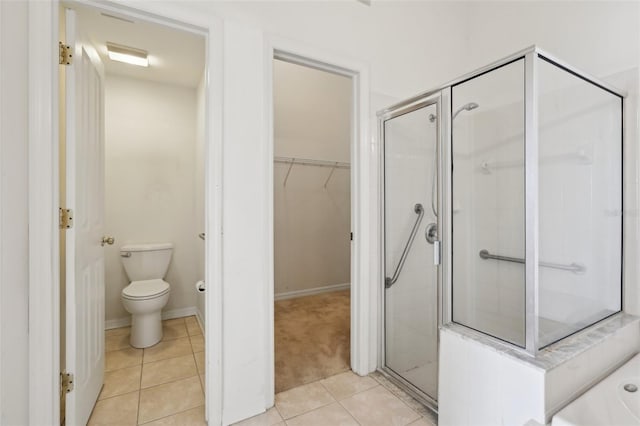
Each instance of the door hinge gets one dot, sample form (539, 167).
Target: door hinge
(66, 218)
(66, 382)
(65, 55)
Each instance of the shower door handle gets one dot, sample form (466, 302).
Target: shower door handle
(431, 235)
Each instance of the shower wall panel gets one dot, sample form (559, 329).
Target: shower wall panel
(488, 202)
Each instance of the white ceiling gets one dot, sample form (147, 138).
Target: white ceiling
(175, 57)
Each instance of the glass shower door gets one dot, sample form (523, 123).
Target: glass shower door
(411, 286)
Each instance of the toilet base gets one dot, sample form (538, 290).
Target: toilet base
(146, 329)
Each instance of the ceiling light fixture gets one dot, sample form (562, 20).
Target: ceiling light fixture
(128, 55)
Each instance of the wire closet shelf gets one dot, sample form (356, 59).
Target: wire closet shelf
(291, 161)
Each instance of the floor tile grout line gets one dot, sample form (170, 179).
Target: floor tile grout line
(279, 413)
(174, 414)
(308, 411)
(404, 402)
(168, 415)
(171, 381)
(313, 409)
(140, 391)
(349, 412)
(195, 361)
(161, 341)
(164, 359)
(335, 401)
(350, 395)
(154, 386)
(401, 400)
(170, 357)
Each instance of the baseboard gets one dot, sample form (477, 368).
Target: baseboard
(311, 291)
(117, 323)
(168, 314)
(200, 319)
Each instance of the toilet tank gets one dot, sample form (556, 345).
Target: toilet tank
(146, 261)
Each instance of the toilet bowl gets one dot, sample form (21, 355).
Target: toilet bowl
(144, 300)
(146, 295)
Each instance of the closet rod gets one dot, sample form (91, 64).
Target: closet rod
(311, 162)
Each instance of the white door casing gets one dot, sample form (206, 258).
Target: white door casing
(44, 331)
(85, 196)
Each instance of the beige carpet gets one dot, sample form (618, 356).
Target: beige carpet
(312, 339)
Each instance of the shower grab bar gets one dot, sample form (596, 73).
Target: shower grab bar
(419, 210)
(576, 268)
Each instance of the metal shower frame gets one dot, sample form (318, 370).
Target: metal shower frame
(444, 201)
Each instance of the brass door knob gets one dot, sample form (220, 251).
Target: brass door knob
(107, 240)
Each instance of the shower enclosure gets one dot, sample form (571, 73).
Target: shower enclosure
(502, 211)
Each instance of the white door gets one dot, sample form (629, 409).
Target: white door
(85, 196)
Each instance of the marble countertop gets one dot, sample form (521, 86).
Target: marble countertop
(557, 353)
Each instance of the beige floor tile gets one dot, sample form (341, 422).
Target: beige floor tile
(346, 384)
(299, 400)
(334, 415)
(174, 321)
(168, 370)
(422, 422)
(204, 386)
(193, 326)
(120, 410)
(193, 417)
(122, 331)
(118, 382)
(378, 406)
(116, 342)
(200, 361)
(122, 358)
(169, 399)
(167, 349)
(172, 329)
(269, 418)
(197, 343)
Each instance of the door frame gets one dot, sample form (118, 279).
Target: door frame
(44, 255)
(437, 98)
(364, 332)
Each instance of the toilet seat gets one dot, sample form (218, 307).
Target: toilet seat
(146, 289)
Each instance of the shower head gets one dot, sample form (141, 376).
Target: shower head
(465, 107)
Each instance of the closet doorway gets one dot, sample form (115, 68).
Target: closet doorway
(312, 124)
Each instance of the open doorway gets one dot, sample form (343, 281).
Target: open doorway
(312, 223)
(132, 258)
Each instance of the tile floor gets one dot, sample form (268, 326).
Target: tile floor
(160, 385)
(345, 399)
(164, 385)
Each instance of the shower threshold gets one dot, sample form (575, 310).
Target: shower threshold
(408, 392)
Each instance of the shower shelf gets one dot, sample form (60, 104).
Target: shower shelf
(291, 161)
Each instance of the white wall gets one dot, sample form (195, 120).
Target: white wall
(408, 46)
(150, 172)
(247, 299)
(312, 119)
(14, 273)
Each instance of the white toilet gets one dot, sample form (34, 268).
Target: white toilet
(146, 295)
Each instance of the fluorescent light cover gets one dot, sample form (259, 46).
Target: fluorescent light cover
(128, 55)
